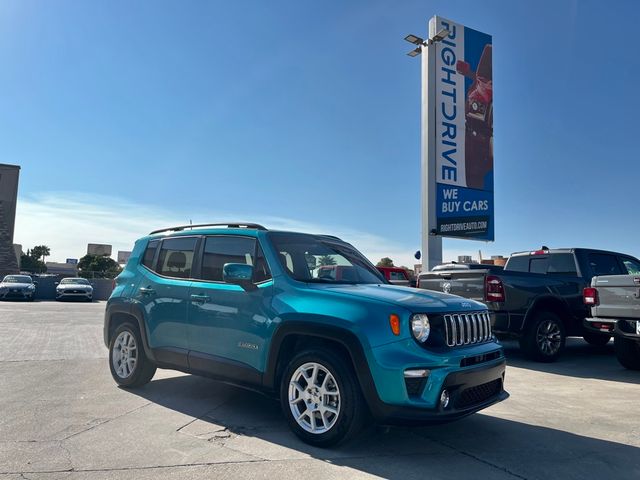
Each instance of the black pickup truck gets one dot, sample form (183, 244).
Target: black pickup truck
(537, 297)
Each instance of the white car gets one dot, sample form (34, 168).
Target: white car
(74, 288)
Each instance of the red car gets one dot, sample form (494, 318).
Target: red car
(398, 276)
(479, 120)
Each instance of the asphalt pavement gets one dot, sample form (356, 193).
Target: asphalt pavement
(62, 416)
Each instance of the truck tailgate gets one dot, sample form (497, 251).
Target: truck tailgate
(468, 284)
(618, 296)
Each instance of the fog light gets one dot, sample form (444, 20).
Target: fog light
(444, 399)
(417, 373)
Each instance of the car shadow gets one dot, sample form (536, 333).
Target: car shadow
(479, 446)
(579, 359)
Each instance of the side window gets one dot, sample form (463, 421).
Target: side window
(219, 250)
(518, 263)
(261, 270)
(562, 264)
(150, 253)
(397, 276)
(631, 265)
(604, 264)
(176, 257)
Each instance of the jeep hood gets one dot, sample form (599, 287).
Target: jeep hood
(413, 299)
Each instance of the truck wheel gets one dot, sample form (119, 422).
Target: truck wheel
(628, 352)
(129, 365)
(596, 339)
(321, 398)
(545, 338)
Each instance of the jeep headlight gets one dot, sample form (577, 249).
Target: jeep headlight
(420, 327)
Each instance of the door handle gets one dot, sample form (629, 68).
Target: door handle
(200, 298)
(147, 291)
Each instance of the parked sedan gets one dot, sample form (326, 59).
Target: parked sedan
(74, 288)
(18, 287)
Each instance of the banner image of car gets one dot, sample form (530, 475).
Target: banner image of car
(464, 131)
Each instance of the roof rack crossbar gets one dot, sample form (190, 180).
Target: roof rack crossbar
(201, 225)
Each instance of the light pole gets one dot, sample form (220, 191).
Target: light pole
(431, 243)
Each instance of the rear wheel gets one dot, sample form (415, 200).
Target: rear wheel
(628, 352)
(129, 365)
(321, 398)
(545, 338)
(596, 340)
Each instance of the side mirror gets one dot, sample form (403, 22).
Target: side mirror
(238, 274)
(57, 283)
(463, 68)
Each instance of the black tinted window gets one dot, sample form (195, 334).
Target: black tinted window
(176, 257)
(603, 264)
(225, 249)
(150, 253)
(539, 264)
(518, 263)
(562, 264)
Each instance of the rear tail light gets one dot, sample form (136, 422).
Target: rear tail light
(493, 289)
(590, 296)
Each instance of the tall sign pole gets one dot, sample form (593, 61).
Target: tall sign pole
(456, 136)
(431, 243)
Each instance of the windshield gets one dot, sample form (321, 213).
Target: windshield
(17, 279)
(311, 258)
(76, 281)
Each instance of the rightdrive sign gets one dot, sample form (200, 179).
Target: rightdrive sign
(464, 132)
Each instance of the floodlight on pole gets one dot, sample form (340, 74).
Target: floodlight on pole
(441, 35)
(416, 40)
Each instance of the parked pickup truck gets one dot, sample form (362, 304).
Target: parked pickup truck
(398, 276)
(615, 308)
(537, 297)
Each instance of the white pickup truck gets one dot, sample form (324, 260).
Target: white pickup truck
(615, 308)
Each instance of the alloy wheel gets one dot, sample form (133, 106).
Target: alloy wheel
(125, 354)
(549, 337)
(314, 398)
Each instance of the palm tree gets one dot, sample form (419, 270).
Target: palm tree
(326, 260)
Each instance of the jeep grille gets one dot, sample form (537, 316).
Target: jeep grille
(467, 328)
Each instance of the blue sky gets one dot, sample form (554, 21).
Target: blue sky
(127, 116)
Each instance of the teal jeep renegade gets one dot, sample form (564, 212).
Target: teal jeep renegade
(337, 345)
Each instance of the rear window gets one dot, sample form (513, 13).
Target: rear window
(604, 264)
(538, 264)
(518, 263)
(397, 276)
(552, 264)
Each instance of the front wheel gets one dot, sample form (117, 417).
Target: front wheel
(545, 338)
(627, 352)
(321, 398)
(129, 365)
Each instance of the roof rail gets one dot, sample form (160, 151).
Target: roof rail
(201, 225)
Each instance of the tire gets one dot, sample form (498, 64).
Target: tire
(545, 338)
(345, 411)
(138, 370)
(595, 339)
(628, 352)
